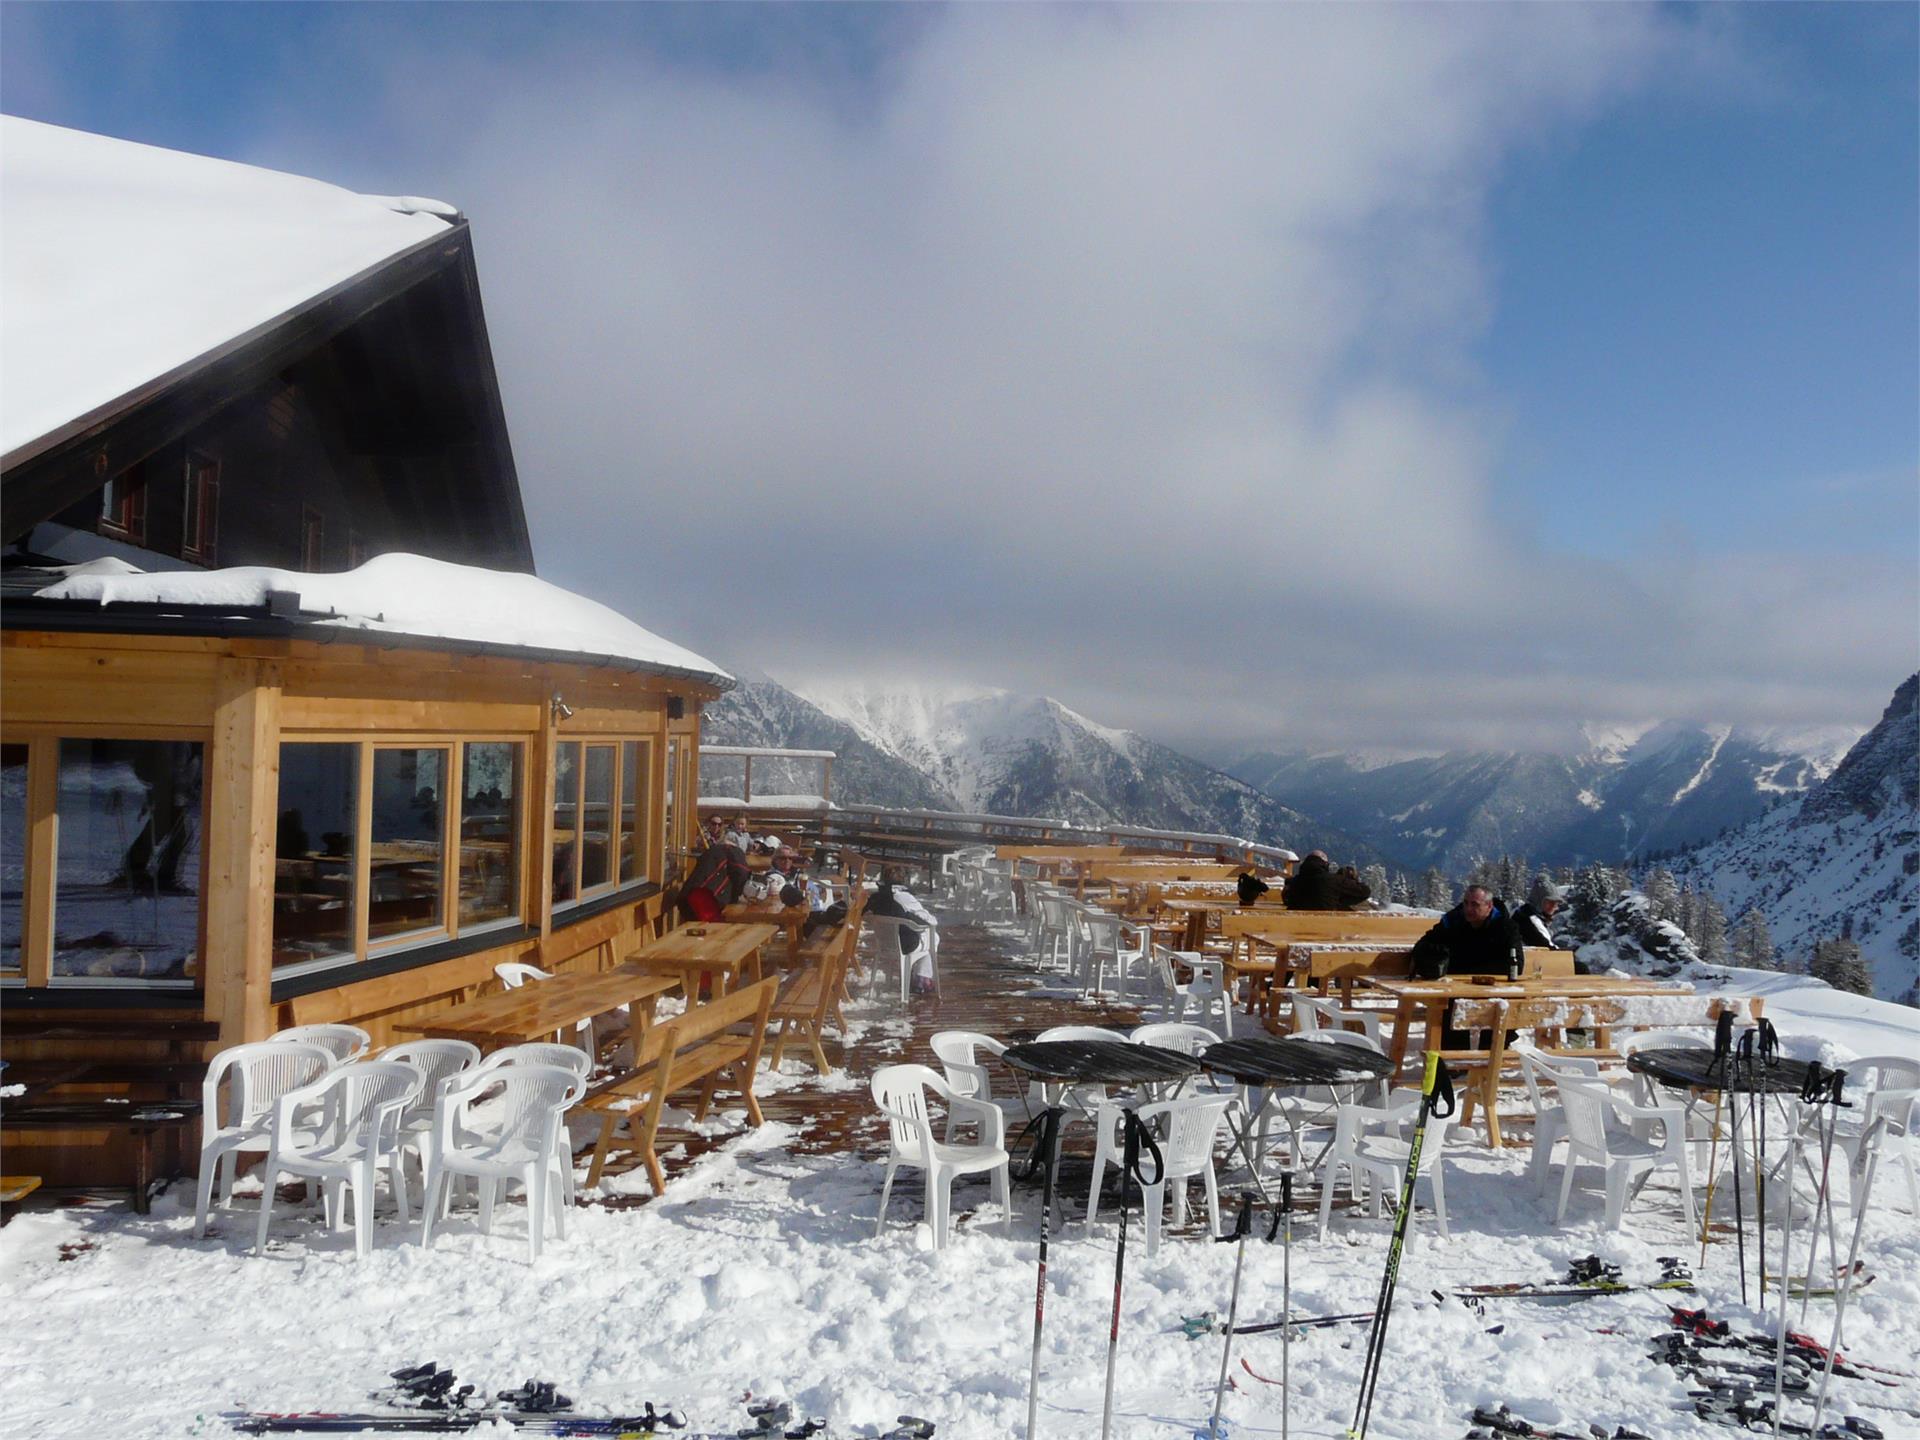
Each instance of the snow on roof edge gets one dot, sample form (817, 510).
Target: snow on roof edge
(404, 595)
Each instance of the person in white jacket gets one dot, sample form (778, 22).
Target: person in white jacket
(890, 898)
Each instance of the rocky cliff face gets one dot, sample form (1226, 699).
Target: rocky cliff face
(1844, 859)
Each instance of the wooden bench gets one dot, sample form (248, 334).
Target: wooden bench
(701, 1047)
(14, 1189)
(812, 992)
(145, 1120)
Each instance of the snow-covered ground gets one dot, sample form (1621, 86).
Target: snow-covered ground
(760, 1272)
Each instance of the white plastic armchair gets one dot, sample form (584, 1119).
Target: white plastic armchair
(1374, 1143)
(346, 1043)
(251, 1079)
(1055, 945)
(516, 1140)
(439, 1062)
(1206, 992)
(1542, 1072)
(901, 1093)
(354, 1112)
(959, 1053)
(1188, 1129)
(1628, 1161)
(1890, 1087)
(1175, 1035)
(570, 1058)
(1312, 1014)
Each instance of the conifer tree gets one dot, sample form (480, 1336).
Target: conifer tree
(1663, 895)
(1375, 877)
(1435, 892)
(1752, 944)
(1710, 939)
(1838, 962)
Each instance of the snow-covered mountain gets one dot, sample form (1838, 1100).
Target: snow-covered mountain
(1848, 851)
(1630, 791)
(998, 752)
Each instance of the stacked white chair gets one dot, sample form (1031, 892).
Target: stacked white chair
(439, 1062)
(1599, 1129)
(1889, 1086)
(251, 1079)
(1549, 1117)
(1374, 1143)
(1319, 1013)
(346, 1043)
(570, 1058)
(901, 1093)
(518, 1140)
(342, 1130)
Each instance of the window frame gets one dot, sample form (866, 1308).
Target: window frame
(41, 862)
(616, 741)
(200, 509)
(366, 951)
(123, 508)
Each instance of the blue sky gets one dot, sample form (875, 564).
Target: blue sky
(1634, 290)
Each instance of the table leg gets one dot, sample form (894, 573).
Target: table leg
(1402, 1027)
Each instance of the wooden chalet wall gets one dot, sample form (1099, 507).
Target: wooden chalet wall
(243, 699)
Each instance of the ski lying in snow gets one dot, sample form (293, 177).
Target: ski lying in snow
(1825, 1287)
(1208, 1323)
(1490, 1422)
(1710, 1332)
(459, 1422)
(1587, 1277)
(1743, 1410)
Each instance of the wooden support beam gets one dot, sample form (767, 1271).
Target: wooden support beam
(243, 791)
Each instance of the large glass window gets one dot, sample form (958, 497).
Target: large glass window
(634, 761)
(490, 834)
(566, 821)
(406, 857)
(596, 819)
(127, 876)
(13, 854)
(314, 867)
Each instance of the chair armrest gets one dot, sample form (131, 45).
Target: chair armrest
(1667, 1114)
(992, 1120)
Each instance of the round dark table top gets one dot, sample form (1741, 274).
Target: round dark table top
(1272, 1060)
(1692, 1067)
(1100, 1062)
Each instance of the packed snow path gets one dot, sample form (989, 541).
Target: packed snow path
(759, 1272)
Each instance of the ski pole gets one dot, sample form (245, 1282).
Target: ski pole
(1760, 1153)
(1046, 1131)
(1869, 1147)
(1828, 1122)
(1136, 1135)
(1239, 1236)
(1739, 1211)
(1286, 1298)
(1786, 1269)
(1436, 1098)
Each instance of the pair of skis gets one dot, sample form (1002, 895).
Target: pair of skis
(457, 1422)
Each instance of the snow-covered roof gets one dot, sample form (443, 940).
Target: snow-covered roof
(121, 263)
(401, 595)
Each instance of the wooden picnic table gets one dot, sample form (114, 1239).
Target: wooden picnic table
(1428, 999)
(790, 918)
(541, 1009)
(726, 952)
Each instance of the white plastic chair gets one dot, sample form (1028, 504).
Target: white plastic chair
(1175, 1035)
(901, 1093)
(959, 1052)
(1056, 931)
(1549, 1117)
(1373, 1143)
(570, 1058)
(1187, 1130)
(516, 1140)
(354, 1111)
(1629, 1161)
(888, 953)
(346, 1043)
(1317, 1013)
(252, 1078)
(1889, 1088)
(1202, 994)
(439, 1062)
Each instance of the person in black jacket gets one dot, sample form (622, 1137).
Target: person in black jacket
(1476, 937)
(1534, 920)
(1316, 885)
(1250, 887)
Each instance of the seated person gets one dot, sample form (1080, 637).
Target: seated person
(1251, 887)
(1316, 885)
(1534, 919)
(891, 898)
(1476, 937)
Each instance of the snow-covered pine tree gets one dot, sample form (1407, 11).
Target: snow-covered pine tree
(1435, 891)
(1593, 892)
(1663, 894)
(1375, 878)
(1752, 943)
(1710, 939)
(1838, 963)
(1686, 913)
(1401, 888)
(1515, 878)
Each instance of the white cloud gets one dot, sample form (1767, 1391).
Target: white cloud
(1124, 354)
